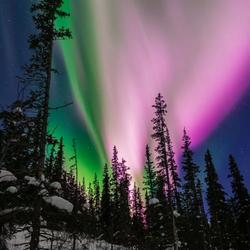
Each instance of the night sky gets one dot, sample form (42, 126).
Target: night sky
(197, 54)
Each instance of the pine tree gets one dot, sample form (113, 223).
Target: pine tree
(97, 205)
(203, 222)
(57, 171)
(91, 211)
(39, 70)
(37, 75)
(150, 175)
(49, 165)
(76, 191)
(218, 208)
(173, 171)
(137, 219)
(161, 137)
(241, 205)
(115, 194)
(162, 219)
(106, 206)
(124, 220)
(120, 202)
(18, 139)
(190, 171)
(193, 230)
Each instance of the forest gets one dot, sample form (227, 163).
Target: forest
(44, 204)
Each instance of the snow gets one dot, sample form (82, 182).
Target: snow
(14, 209)
(56, 185)
(42, 177)
(32, 180)
(43, 192)
(12, 189)
(61, 240)
(153, 201)
(59, 203)
(18, 110)
(176, 214)
(86, 205)
(6, 176)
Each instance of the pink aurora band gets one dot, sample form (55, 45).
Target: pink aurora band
(196, 53)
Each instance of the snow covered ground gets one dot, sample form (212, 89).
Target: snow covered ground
(62, 241)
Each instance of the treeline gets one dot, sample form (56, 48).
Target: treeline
(169, 213)
(39, 194)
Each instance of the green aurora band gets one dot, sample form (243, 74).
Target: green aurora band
(123, 53)
(81, 62)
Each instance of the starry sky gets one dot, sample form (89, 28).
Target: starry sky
(197, 54)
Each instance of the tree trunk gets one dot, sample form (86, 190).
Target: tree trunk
(36, 225)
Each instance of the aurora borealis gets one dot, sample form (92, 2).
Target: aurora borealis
(196, 53)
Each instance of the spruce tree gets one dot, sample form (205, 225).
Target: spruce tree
(18, 139)
(175, 180)
(203, 221)
(241, 205)
(124, 221)
(163, 217)
(49, 165)
(57, 171)
(106, 206)
(161, 137)
(115, 193)
(137, 219)
(37, 75)
(91, 211)
(193, 231)
(218, 207)
(150, 175)
(97, 205)
(39, 70)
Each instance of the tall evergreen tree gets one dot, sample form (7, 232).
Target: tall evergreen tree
(163, 217)
(241, 205)
(91, 211)
(175, 180)
(18, 137)
(97, 205)
(203, 221)
(106, 206)
(138, 231)
(57, 171)
(218, 208)
(161, 137)
(190, 171)
(151, 202)
(49, 165)
(37, 75)
(39, 70)
(115, 193)
(124, 221)
(150, 175)
(193, 229)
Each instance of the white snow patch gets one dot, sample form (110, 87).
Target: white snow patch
(61, 240)
(176, 214)
(59, 202)
(56, 185)
(12, 189)
(86, 205)
(6, 176)
(42, 177)
(14, 209)
(32, 180)
(43, 192)
(18, 110)
(153, 201)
